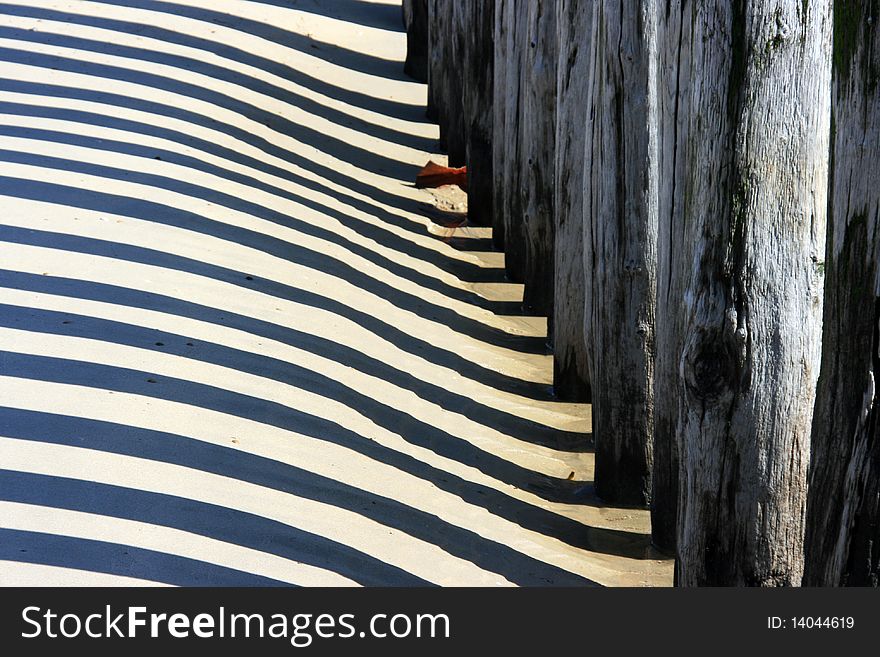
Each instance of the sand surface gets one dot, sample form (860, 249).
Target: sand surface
(235, 349)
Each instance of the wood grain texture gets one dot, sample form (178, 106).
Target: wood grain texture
(435, 53)
(749, 199)
(513, 169)
(476, 25)
(623, 212)
(843, 524)
(673, 81)
(415, 20)
(444, 78)
(500, 113)
(454, 81)
(571, 372)
(539, 155)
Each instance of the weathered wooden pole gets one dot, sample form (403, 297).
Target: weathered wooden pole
(748, 197)
(539, 155)
(476, 25)
(673, 265)
(435, 59)
(513, 171)
(415, 19)
(444, 77)
(842, 544)
(500, 116)
(571, 370)
(622, 210)
(454, 79)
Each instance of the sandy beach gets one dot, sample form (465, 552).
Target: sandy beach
(235, 348)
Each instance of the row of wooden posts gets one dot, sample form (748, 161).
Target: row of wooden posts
(662, 176)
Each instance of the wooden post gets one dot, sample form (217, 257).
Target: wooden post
(435, 58)
(843, 520)
(539, 155)
(514, 168)
(476, 25)
(571, 370)
(415, 19)
(748, 198)
(444, 78)
(622, 161)
(501, 114)
(513, 171)
(673, 265)
(454, 79)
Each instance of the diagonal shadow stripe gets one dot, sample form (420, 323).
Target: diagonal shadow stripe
(313, 107)
(349, 185)
(347, 152)
(36, 190)
(368, 14)
(120, 379)
(363, 228)
(118, 559)
(462, 269)
(393, 420)
(169, 448)
(281, 248)
(329, 52)
(447, 398)
(211, 520)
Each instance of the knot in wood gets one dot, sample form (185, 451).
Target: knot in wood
(711, 366)
(632, 267)
(782, 28)
(781, 32)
